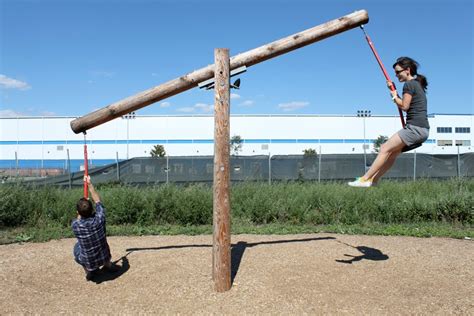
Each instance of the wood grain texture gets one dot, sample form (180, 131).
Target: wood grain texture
(221, 261)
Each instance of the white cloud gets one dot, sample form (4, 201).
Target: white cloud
(292, 106)
(204, 107)
(31, 111)
(165, 104)
(188, 109)
(47, 113)
(9, 113)
(198, 107)
(10, 83)
(234, 96)
(247, 103)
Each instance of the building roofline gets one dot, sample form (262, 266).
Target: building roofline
(240, 115)
(452, 114)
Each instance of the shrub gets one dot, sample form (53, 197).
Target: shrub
(253, 203)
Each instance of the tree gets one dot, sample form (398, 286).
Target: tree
(235, 145)
(379, 141)
(158, 151)
(308, 164)
(309, 152)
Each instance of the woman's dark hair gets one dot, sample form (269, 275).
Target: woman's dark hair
(407, 62)
(84, 207)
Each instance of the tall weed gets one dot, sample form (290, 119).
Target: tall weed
(329, 203)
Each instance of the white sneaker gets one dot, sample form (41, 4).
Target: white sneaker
(360, 183)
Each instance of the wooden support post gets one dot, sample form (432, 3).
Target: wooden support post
(221, 263)
(191, 80)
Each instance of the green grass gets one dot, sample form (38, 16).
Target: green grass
(32, 234)
(421, 208)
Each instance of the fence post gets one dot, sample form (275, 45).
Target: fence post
(192, 169)
(459, 164)
(117, 166)
(221, 259)
(69, 168)
(167, 168)
(269, 168)
(319, 164)
(16, 164)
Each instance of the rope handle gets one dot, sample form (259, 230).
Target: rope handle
(86, 169)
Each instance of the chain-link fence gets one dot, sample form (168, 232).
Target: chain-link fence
(200, 169)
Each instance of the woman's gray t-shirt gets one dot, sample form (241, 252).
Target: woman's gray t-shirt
(417, 113)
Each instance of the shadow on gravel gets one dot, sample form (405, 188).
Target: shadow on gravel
(367, 254)
(104, 276)
(237, 251)
(130, 250)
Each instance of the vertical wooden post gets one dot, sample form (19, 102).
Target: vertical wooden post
(221, 263)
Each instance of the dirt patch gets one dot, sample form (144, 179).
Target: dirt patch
(290, 274)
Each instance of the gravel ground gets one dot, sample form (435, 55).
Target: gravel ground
(289, 274)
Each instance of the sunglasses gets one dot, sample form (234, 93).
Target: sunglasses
(399, 71)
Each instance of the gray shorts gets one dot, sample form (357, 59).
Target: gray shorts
(412, 134)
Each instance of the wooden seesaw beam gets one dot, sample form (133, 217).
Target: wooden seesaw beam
(192, 79)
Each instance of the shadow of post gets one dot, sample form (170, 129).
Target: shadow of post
(237, 250)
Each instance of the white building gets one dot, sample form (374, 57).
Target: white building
(48, 142)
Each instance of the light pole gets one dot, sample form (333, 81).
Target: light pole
(128, 117)
(364, 114)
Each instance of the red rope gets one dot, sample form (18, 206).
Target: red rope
(86, 169)
(392, 86)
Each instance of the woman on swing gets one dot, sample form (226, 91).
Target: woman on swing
(416, 131)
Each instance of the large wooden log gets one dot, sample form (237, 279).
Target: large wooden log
(192, 79)
(221, 264)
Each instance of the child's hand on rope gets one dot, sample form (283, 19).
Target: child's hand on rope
(87, 179)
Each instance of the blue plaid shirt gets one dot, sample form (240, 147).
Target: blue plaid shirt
(90, 234)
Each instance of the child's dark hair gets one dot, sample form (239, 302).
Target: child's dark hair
(84, 208)
(409, 63)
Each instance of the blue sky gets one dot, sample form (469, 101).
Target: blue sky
(73, 57)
